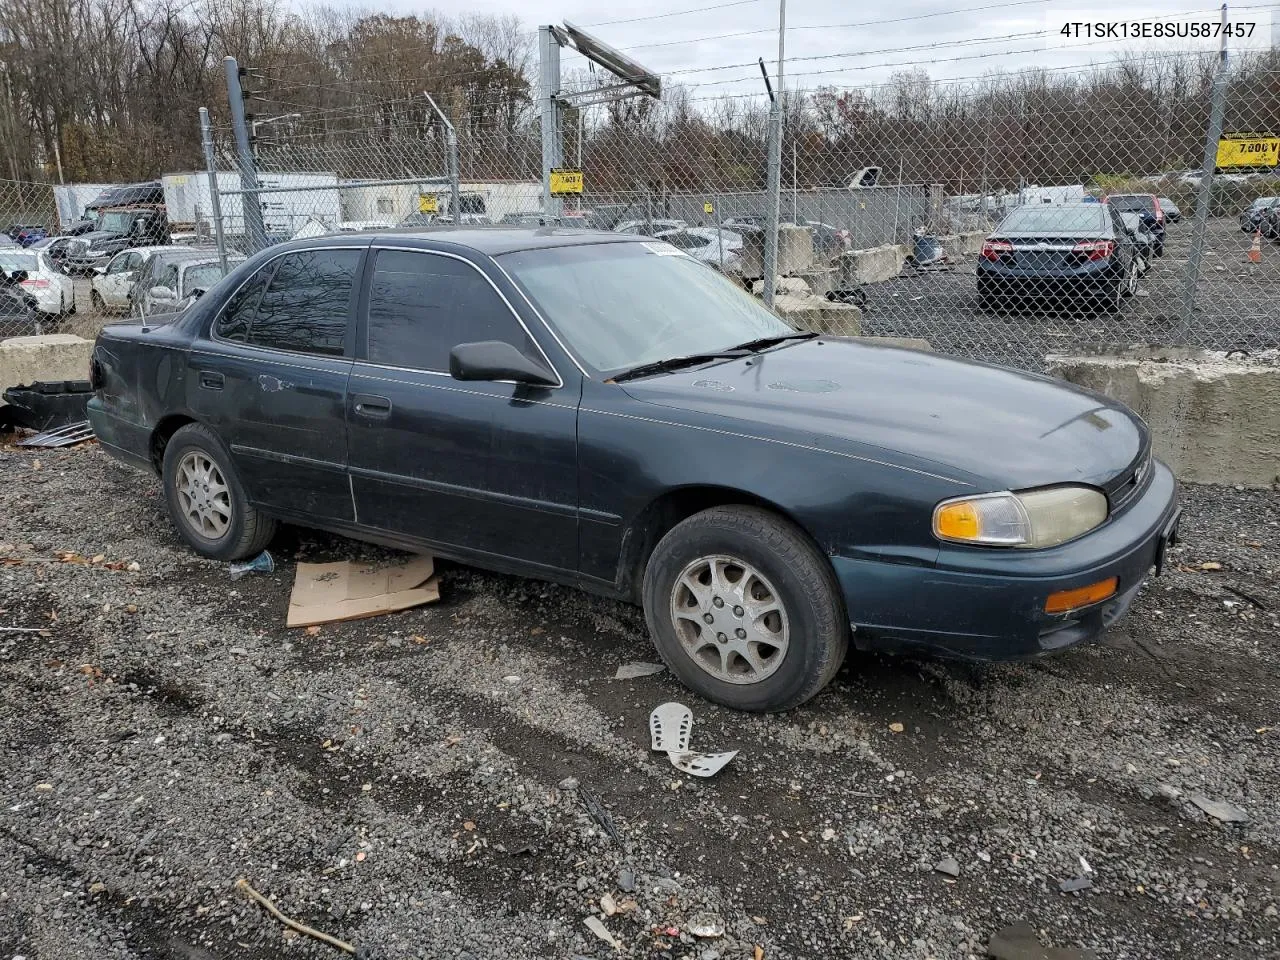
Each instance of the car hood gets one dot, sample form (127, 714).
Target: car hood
(980, 424)
(99, 236)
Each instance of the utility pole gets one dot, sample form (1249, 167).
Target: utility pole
(775, 166)
(1204, 193)
(548, 94)
(251, 199)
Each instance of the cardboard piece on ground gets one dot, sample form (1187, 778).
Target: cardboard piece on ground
(328, 592)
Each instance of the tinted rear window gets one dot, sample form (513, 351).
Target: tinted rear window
(1133, 202)
(306, 305)
(1049, 218)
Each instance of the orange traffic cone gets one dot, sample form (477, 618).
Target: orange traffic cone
(1255, 251)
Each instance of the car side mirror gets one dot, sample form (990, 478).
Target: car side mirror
(163, 293)
(99, 270)
(497, 360)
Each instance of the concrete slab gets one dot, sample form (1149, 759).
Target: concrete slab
(819, 315)
(1214, 418)
(874, 264)
(52, 356)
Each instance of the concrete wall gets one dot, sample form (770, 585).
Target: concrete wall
(54, 356)
(1213, 420)
(808, 312)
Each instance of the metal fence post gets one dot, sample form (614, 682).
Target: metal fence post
(251, 201)
(206, 139)
(774, 198)
(773, 201)
(548, 90)
(451, 144)
(1204, 192)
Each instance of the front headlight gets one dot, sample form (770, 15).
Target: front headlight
(1033, 518)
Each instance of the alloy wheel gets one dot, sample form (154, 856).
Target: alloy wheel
(730, 619)
(204, 495)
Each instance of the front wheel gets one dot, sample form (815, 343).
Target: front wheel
(206, 501)
(745, 610)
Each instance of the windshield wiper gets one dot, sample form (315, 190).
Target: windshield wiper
(764, 342)
(675, 363)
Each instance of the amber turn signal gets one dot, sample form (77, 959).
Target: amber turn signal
(1066, 600)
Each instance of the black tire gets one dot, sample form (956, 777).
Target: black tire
(248, 531)
(806, 588)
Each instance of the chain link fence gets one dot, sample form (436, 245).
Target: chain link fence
(1002, 218)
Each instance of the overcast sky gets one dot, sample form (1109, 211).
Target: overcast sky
(832, 42)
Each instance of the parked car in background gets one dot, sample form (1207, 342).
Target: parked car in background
(150, 192)
(1070, 254)
(468, 219)
(359, 226)
(112, 286)
(1172, 212)
(24, 235)
(168, 280)
(418, 220)
(55, 248)
(18, 316)
(649, 228)
(1147, 206)
(49, 287)
(116, 230)
(1251, 217)
(718, 248)
(1144, 240)
(584, 409)
(1269, 224)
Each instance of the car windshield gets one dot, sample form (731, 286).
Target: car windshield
(1049, 218)
(201, 276)
(1133, 201)
(621, 305)
(11, 261)
(115, 222)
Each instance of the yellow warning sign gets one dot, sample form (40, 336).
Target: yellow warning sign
(566, 181)
(427, 203)
(1252, 152)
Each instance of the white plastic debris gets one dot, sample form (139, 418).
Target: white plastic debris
(596, 926)
(701, 764)
(670, 726)
(633, 671)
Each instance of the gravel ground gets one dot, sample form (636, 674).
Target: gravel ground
(420, 783)
(1236, 307)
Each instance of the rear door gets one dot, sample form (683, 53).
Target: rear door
(115, 283)
(272, 380)
(488, 468)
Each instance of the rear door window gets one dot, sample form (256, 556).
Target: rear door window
(306, 305)
(422, 305)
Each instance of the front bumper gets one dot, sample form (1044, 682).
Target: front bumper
(988, 604)
(86, 264)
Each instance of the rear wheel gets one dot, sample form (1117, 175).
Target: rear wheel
(1129, 286)
(206, 501)
(745, 610)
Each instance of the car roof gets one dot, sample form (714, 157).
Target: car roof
(490, 240)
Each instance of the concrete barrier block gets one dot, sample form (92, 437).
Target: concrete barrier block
(873, 265)
(907, 343)
(819, 315)
(783, 285)
(961, 246)
(1212, 419)
(53, 356)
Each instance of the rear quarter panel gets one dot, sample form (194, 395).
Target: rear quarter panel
(140, 379)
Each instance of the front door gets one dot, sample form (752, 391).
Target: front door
(118, 279)
(272, 381)
(487, 468)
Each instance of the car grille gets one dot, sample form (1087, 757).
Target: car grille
(1128, 485)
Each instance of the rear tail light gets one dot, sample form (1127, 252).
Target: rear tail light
(995, 249)
(1094, 249)
(35, 284)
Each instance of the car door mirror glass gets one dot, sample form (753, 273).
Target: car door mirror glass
(163, 293)
(497, 360)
